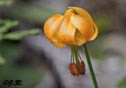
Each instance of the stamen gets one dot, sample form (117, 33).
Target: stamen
(79, 67)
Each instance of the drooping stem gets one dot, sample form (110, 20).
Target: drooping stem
(90, 66)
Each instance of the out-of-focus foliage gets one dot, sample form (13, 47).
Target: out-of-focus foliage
(103, 22)
(9, 71)
(20, 34)
(6, 25)
(122, 83)
(98, 51)
(6, 2)
(10, 51)
(32, 12)
(27, 75)
(2, 60)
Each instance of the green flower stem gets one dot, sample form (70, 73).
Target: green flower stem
(90, 66)
(75, 53)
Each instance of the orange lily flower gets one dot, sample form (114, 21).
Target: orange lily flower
(76, 27)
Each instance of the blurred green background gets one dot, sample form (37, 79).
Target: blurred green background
(25, 53)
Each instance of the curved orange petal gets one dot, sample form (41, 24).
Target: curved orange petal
(87, 17)
(79, 38)
(66, 30)
(84, 27)
(95, 32)
(50, 29)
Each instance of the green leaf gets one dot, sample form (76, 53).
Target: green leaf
(21, 34)
(6, 25)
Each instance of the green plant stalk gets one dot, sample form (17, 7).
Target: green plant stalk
(90, 66)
